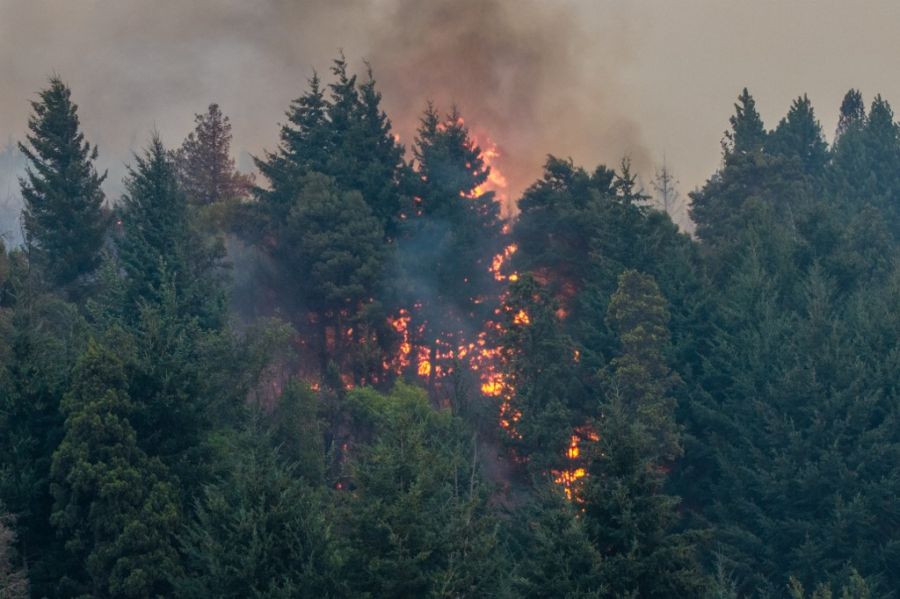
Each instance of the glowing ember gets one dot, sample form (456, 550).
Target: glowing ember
(499, 260)
(521, 318)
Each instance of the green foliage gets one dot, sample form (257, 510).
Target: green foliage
(159, 248)
(113, 504)
(856, 588)
(747, 133)
(335, 243)
(417, 516)
(627, 515)
(722, 409)
(260, 531)
(540, 366)
(45, 337)
(553, 555)
(64, 221)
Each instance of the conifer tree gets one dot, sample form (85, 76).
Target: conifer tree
(418, 503)
(799, 135)
(366, 156)
(852, 113)
(456, 231)
(305, 144)
(629, 517)
(45, 336)
(63, 217)
(205, 165)
(113, 505)
(747, 134)
(261, 531)
(159, 246)
(333, 244)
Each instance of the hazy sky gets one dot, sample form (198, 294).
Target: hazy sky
(591, 79)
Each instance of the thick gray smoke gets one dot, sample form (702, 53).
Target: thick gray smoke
(529, 74)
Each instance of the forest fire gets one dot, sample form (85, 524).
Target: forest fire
(570, 478)
(496, 181)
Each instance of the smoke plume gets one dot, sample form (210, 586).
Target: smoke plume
(535, 77)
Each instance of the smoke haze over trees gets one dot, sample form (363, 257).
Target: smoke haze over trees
(345, 367)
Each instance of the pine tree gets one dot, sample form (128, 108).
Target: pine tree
(852, 113)
(333, 246)
(629, 517)
(260, 531)
(113, 505)
(747, 133)
(547, 400)
(45, 337)
(799, 136)
(456, 230)
(63, 217)
(205, 166)
(305, 145)
(417, 503)
(159, 246)
(366, 157)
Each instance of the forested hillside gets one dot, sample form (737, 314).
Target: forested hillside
(348, 375)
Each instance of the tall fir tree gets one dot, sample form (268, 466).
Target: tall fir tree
(160, 246)
(113, 505)
(628, 515)
(455, 231)
(747, 134)
(852, 113)
(304, 147)
(799, 135)
(64, 221)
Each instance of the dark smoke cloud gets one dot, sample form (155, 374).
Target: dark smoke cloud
(528, 73)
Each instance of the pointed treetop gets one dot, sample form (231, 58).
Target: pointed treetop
(853, 113)
(64, 221)
(747, 133)
(799, 134)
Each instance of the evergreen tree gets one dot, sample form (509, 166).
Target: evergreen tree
(45, 337)
(332, 245)
(160, 247)
(205, 166)
(628, 516)
(552, 552)
(63, 217)
(455, 233)
(418, 519)
(305, 144)
(852, 113)
(799, 136)
(259, 531)
(547, 400)
(747, 133)
(366, 156)
(113, 505)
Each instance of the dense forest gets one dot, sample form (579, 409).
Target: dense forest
(346, 375)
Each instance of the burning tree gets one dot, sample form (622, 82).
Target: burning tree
(452, 236)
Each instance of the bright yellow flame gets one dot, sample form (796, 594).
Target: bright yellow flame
(521, 318)
(424, 368)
